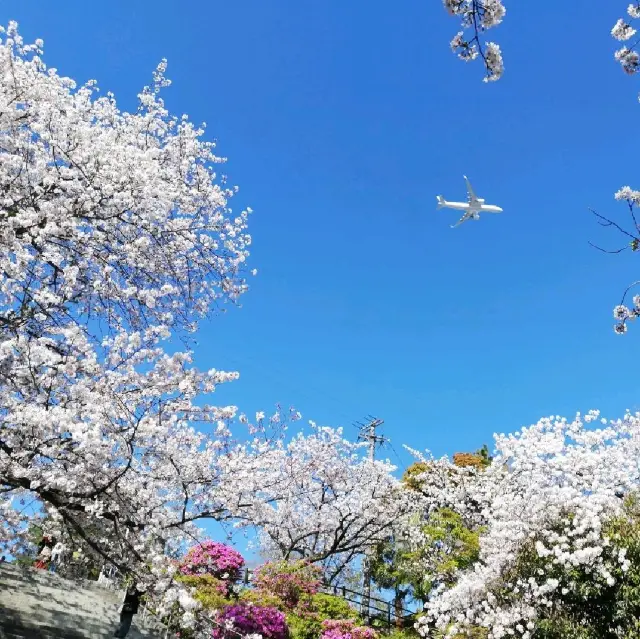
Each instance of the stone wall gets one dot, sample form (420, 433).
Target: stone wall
(35, 604)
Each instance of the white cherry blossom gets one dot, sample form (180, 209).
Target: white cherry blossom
(538, 476)
(116, 235)
(331, 505)
(477, 16)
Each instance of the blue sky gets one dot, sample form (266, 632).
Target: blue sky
(341, 122)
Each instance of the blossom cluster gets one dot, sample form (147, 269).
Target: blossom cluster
(291, 582)
(215, 559)
(345, 629)
(246, 619)
(623, 31)
(623, 314)
(477, 16)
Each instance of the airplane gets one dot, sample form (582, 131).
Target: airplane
(472, 207)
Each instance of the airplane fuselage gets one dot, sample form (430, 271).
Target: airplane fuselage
(472, 207)
(478, 208)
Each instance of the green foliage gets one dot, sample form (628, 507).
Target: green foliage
(305, 626)
(263, 599)
(484, 454)
(30, 548)
(451, 547)
(471, 632)
(35, 534)
(412, 475)
(209, 590)
(475, 632)
(559, 627)
(305, 622)
(332, 607)
(456, 546)
(390, 565)
(405, 633)
(394, 567)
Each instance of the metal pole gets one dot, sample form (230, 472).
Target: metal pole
(373, 439)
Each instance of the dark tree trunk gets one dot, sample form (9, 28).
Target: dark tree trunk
(398, 607)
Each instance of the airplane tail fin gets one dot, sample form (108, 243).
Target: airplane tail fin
(440, 201)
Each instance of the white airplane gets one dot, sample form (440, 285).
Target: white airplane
(472, 207)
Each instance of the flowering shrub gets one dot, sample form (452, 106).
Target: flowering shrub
(558, 525)
(215, 559)
(345, 629)
(332, 607)
(585, 603)
(262, 598)
(251, 620)
(290, 581)
(305, 622)
(209, 591)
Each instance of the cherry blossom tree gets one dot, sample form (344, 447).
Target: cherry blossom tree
(553, 490)
(116, 236)
(334, 505)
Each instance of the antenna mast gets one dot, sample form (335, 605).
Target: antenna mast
(368, 434)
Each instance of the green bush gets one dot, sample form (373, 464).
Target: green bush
(471, 632)
(305, 622)
(402, 634)
(263, 599)
(333, 607)
(304, 626)
(209, 590)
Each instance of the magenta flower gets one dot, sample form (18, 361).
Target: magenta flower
(247, 620)
(291, 581)
(345, 629)
(215, 559)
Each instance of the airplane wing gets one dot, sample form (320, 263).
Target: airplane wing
(464, 218)
(471, 196)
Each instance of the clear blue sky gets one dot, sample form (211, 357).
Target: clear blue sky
(341, 122)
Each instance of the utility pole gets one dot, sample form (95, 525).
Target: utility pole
(368, 434)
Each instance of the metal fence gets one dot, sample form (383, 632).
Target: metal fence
(381, 613)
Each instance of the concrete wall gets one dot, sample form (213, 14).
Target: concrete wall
(35, 604)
